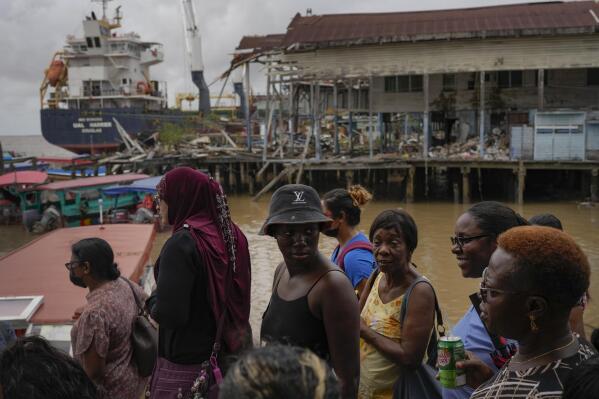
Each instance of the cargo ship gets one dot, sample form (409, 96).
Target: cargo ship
(99, 87)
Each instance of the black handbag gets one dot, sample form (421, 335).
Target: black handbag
(144, 338)
(420, 382)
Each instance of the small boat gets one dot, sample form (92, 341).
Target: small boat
(77, 201)
(62, 168)
(11, 184)
(146, 210)
(37, 296)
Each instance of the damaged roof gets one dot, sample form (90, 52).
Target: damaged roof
(319, 31)
(252, 47)
(262, 43)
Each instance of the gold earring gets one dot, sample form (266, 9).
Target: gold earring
(533, 325)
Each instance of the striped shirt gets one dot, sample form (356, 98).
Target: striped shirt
(541, 382)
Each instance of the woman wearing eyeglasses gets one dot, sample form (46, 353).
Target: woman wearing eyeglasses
(475, 239)
(101, 335)
(534, 278)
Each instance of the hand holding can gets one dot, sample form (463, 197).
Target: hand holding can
(450, 350)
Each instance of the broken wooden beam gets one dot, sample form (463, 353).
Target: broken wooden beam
(288, 170)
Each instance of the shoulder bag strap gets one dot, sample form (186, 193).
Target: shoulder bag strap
(368, 288)
(404, 306)
(141, 309)
(350, 247)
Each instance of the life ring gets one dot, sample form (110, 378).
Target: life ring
(143, 87)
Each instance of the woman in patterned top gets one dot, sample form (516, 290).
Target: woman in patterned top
(534, 278)
(385, 343)
(101, 336)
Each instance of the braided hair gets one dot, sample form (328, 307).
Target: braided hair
(278, 371)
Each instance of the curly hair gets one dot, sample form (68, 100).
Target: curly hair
(495, 218)
(347, 201)
(278, 371)
(548, 261)
(33, 369)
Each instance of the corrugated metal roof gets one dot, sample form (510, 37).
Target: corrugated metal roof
(497, 21)
(263, 43)
(91, 181)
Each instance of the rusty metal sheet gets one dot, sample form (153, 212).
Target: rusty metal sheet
(496, 21)
(263, 43)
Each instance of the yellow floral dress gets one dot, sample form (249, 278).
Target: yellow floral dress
(377, 373)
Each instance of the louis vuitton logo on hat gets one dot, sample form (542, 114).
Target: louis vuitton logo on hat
(299, 197)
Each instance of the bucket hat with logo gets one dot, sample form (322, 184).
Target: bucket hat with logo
(294, 204)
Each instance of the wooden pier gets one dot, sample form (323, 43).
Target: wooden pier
(467, 180)
(387, 174)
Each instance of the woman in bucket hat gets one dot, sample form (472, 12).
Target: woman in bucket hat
(313, 304)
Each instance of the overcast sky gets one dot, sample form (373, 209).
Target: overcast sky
(32, 30)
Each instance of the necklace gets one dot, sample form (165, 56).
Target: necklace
(545, 353)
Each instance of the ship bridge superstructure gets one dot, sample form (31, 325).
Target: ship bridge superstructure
(104, 69)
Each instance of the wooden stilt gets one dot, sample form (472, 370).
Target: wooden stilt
(521, 183)
(456, 193)
(243, 168)
(232, 179)
(466, 185)
(595, 185)
(349, 178)
(410, 184)
(251, 182)
(287, 171)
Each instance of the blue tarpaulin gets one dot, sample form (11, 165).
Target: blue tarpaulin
(141, 186)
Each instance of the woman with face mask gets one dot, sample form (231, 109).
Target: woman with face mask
(101, 335)
(313, 304)
(353, 255)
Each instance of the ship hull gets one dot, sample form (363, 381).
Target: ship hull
(95, 131)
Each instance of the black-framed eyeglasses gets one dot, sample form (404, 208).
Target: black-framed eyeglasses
(484, 291)
(460, 241)
(71, 265)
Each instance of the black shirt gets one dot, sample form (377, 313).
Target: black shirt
(180, 303)
(292, 323)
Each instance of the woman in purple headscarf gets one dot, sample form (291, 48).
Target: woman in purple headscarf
(202, 297)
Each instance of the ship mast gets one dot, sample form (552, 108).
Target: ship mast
(104, 6)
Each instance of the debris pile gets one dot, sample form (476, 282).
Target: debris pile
(496, 148)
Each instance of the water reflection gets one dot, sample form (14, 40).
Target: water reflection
(433, 257)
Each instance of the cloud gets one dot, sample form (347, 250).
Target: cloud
(32, 30)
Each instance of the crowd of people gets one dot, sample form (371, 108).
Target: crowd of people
(352, 324)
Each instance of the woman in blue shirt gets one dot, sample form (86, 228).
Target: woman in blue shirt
(354, 252)
(475, 240)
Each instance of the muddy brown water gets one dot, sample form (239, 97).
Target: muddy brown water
(433, 257)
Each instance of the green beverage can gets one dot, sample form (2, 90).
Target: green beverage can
(449, 351)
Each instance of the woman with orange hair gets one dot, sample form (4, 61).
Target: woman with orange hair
(534, 278)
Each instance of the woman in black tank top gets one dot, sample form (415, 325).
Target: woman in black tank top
(312, 304)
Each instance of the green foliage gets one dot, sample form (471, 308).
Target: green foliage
(172, 134)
